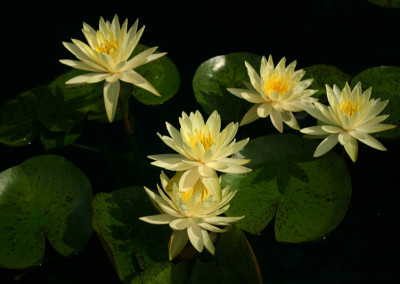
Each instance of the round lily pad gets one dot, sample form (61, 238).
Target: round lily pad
(45, 196)
(215, 75)
(307, 196)
(385, 83)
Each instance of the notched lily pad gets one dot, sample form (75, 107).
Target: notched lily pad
(132, 245)
(52, 140)
(325, 74)
(215, 75)
(308, 197)
(163, 272)
(385, 83)
(45, 196)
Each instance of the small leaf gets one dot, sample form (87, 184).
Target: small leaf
(385, 83)
(18, 124)
(43, 196)
(308, 196)
(133, 245)
(325, 74)
(214, 76)
(162, 74)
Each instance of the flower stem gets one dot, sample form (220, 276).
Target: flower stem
(128, 126)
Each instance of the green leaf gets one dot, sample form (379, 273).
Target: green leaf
(18, 124)
(309, 197)
(132, 245)
(216, 74)
(385, 83)
(162, 272)
(43, 196)
(52, 140)
(84, 98)
(162, 74)
(386, 3)
(325, 74)
(234, 250)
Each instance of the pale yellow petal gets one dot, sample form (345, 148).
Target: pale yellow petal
(111, 93)
(177, 243)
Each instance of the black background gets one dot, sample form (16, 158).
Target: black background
(352, 35)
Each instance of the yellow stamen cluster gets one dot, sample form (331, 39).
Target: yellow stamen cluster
(276, 83)
(204, 136)
(349, 108)
(106, 45)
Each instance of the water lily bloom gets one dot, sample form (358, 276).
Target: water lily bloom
(202, 150)
(107, 57)
(350, 116)
(190, 214)
(276, 92)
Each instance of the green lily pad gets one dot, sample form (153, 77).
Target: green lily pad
(307, 196)
(325, 74)
(45, 196)
(386, 3)
(234, 250)
(385, 83)
(214, 76)
(162, 74)
(162, 272)
(132, 245)
(18, 124)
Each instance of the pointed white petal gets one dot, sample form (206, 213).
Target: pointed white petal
(327, 144)
(158, 219)
(195, 236)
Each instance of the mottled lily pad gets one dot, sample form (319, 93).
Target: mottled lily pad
(215, 75)
(385, 83)
(18, 124)
(45, 196)
(325, 74)
(132, 245)
(162, 74)
(307, 196)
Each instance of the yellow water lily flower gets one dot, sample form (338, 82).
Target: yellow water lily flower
(202, 150)
(350, 116)
(276, 92)
(190, 214)
(107, 57)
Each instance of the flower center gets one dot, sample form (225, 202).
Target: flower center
(349, 108)
(204, 136)
(106, 44)
(276, 83)
(198, 187)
